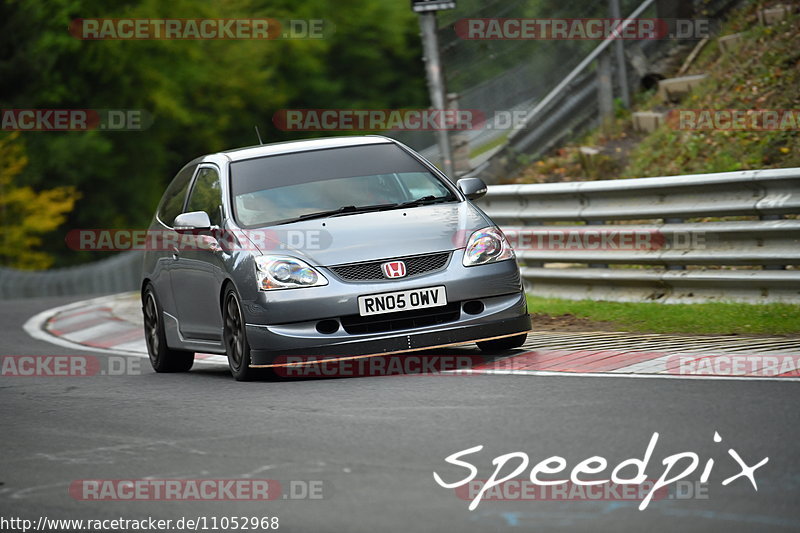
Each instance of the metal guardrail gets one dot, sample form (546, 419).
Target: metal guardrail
(119, 273)
(752, 260)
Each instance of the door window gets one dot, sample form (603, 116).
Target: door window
(207, 195)
(171, 203)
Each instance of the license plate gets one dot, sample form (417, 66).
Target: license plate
(392, 302)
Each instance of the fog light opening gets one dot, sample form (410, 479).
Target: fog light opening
(474, 307)
(327, 327)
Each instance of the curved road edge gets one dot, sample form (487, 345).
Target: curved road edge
(112, 325)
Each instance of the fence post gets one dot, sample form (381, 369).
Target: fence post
(619, 53)
(605, 96)
(460, 141)
(433, 68)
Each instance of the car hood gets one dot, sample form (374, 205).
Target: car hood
(376, 235)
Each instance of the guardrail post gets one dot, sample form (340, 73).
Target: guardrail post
(537, 264)
(596, 223)
(675, 221)
(772, 217)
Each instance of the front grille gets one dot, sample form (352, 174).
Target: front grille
(356, 324)
(371, 271)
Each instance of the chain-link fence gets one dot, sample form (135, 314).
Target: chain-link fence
(516, 75)
(494, 75)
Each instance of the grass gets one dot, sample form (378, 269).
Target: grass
(701, 318)
(763, 73)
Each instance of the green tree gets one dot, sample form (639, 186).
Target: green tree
(203, 95)
(26, 215)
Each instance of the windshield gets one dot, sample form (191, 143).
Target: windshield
(284, 188)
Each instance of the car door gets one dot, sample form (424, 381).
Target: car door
(198, 271)
(160, 259)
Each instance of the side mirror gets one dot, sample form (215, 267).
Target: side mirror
(473, 188)
(193, 220)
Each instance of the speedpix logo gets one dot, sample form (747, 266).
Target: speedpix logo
(676, 467)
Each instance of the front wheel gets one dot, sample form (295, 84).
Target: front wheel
(501, 345)
(162, 357)
(235, 337)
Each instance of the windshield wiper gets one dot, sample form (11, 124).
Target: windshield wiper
(425, 200)
(350, 209)
(344, 210)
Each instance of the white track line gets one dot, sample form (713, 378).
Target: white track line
(607, 375)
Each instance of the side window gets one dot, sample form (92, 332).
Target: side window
(172, 202)
(206, 195)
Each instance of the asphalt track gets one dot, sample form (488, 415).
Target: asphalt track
(373, 443)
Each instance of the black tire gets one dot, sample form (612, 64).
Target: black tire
(162, 357)
(501, 345)
(234, 334)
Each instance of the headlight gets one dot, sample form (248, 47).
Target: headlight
(487, 245)
(278, 272)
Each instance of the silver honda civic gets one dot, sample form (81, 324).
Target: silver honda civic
(332, 248)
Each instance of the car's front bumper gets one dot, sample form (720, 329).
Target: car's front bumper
(397, 343)
(285, 322)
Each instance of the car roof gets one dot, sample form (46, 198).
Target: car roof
(306, 145)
